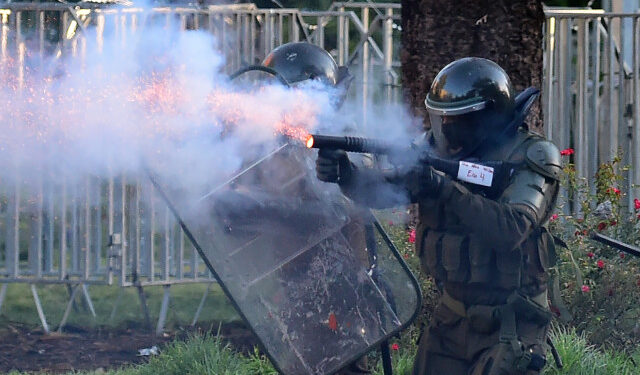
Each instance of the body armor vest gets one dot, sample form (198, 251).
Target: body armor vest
(453, 256)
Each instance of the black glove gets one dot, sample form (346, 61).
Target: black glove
(424, 181)
(333, 166)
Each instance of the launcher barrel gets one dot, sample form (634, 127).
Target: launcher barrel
(349, 144)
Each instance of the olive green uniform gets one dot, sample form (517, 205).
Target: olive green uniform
(489, 253)
(481, 250)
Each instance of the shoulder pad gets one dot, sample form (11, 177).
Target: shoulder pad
(543, 157)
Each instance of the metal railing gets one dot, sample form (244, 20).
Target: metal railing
(84, 230)
(591, 94)
(90, 231)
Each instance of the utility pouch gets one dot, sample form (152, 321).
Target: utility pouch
(483, 319)
(529, 310)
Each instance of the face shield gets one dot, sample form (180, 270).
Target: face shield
(337, 91)
(457, 136)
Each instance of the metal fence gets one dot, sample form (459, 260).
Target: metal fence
(83, 230)
(591, 89)
(90, 231)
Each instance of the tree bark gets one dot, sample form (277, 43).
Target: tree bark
(436, 32)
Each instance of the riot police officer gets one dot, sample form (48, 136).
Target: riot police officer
(487, 249)
(302, 63)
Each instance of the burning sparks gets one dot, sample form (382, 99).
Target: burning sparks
(113, 107)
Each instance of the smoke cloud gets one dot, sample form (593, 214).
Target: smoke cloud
(162, 100)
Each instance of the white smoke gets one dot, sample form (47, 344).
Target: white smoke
(160, 99)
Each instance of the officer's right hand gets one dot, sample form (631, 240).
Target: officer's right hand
(333, 166)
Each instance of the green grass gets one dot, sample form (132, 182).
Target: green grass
(207, 354)
(19, 306)
(581, 358)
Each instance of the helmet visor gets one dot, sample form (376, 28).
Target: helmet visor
(456, 136)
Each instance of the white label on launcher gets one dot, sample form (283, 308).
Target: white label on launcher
(475, 173)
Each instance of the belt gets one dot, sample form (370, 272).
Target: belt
(460, 309)
(453, 304)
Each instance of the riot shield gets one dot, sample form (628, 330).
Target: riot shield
(287, 250)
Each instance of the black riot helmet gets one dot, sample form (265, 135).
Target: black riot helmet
(300, 61)
(471, 101)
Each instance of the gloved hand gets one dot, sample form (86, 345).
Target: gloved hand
(334, 166)
(424, 181)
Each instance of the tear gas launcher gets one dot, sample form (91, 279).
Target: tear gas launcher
(486, 174)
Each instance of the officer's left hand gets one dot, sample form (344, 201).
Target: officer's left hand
(424, 181)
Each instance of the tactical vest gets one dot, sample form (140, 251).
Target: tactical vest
(452, 255)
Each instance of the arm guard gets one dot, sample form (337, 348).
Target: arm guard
(534, 188)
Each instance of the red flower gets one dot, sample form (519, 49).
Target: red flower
(613, 222)
(395, 346)
(584, 232)
(585, 288)
(412, 236)
(390, 223)
(406, 256)
(622, 255)
(636, 204)
(590, 254)
(567, 151)
(614, 190)
(600, 263)
(601, 226)
(554, 217)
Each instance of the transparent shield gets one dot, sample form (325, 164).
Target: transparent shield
(299, 262)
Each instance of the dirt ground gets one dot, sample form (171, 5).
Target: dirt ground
(25, 349)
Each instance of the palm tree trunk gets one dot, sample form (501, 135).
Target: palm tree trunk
(436, 32)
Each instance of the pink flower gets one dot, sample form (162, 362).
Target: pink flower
(395, 346)
(412, 236)
(585, 288)
(590, 254)
(406, 256)
(636, 204)
(390, 223)
(600, 263)
(567, 151)
(554, 217)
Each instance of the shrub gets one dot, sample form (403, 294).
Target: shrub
(600, 285)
